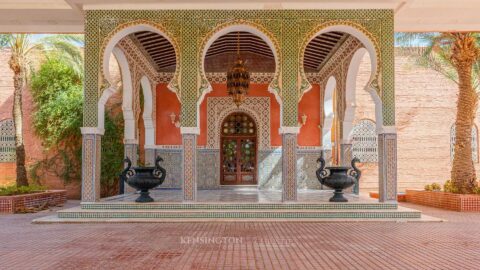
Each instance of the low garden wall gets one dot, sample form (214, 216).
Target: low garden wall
(445, 200)
(30, 202)
(400, 196)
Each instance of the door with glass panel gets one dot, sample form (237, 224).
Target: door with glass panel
(238, 149)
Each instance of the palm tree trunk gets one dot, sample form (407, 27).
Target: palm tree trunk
(18, 83)
(464, 53)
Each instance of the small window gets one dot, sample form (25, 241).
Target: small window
(474, 143)
(7, 141)
(364, 141)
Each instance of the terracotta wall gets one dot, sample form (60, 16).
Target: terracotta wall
(309, 105)
(166, 103)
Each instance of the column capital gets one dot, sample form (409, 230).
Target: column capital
(388, 130)
(92, 130)
(289, 130)
(190, 130)
(130, 141)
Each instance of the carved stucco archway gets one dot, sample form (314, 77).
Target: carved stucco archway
(126, 29)
(364, 36)
(243, 26)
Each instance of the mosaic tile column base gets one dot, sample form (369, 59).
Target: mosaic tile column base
(289, 167)
(91, 157)
(387, 166)
(131, 151)
(189, 170)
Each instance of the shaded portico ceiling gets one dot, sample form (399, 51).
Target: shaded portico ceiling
(54, 16)
(221, 55)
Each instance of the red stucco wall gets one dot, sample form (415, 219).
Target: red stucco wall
(309, 105)
(166, 103)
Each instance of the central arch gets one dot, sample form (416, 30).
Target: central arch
(239, 26)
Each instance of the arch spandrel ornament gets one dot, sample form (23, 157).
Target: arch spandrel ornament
(238, 25)
(143, 25)
(348, 24)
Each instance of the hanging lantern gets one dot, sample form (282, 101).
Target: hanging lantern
(238, 78)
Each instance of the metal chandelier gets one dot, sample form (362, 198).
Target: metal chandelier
(238, 78)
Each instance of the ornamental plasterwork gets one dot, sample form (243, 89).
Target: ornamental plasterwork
(220, 107)
(310, 35)
(221, 77)
(137, 58)
(289, 27)
(157, 26)
(274, 84)
(346, 50)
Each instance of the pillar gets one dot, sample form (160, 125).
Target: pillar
(91, 162)
(387, 164)
(346, 160)
(345, 153)
(289, 163)
(131, 151)
(189, 160)
(149, 156)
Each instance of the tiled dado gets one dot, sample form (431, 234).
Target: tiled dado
(239, 206)
(269, 168)
(355, 214)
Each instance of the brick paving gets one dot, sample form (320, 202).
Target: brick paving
(454, 244)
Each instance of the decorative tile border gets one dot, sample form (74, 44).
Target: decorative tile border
(355, 214)
(239, 206)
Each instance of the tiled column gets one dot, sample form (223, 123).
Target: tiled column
(345, 154)
(130, 151)
(289, 163)
(91, 157)
(387, 164)
(189, 157)
(346, 160)
(149, 156)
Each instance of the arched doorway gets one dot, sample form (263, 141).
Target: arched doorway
(238, 150)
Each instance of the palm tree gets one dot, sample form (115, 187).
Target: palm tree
(24, 51)
(457, 57)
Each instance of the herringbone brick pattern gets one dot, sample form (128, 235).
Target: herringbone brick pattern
(454, 244)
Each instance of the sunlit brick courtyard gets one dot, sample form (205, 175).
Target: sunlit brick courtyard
(452, 244)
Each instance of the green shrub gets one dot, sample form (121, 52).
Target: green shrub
(14, 190)
(449, 187)
(433, 187)
(58, 96)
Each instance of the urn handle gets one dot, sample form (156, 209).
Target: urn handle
(321, 172)
(127, 172)
(355, 172)
(159, 171)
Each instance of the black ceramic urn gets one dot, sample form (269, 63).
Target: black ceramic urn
(143, 178)
(338, 178)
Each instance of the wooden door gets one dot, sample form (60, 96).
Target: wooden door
(238, 150)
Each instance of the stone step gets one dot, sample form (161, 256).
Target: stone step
(79, 213)
(237, 206)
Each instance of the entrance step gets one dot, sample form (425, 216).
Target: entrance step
(257, 214)
(236, 206)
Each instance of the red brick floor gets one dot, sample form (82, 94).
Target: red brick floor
(449, 245)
